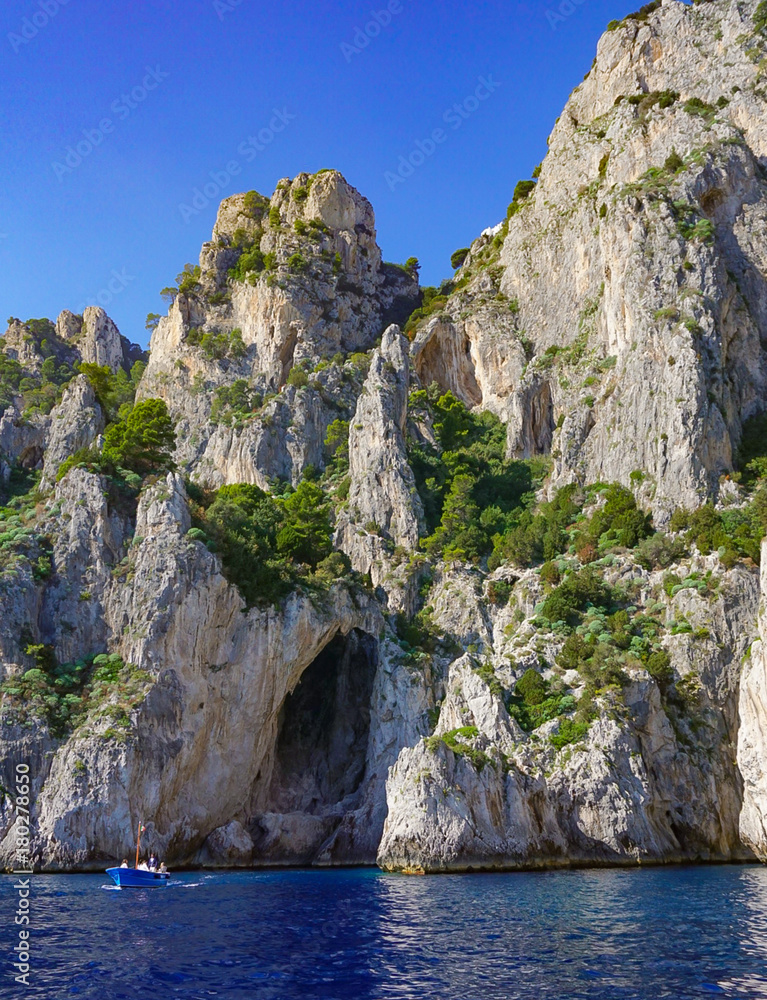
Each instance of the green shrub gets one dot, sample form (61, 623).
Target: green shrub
(550, 573)
(305, 535)
(37, 392)
(254, 204)
(535, 701)
(571, 597)
(83, 457)
(531, 687)
(251, 262)
(261, 539)
(187, 283)
(337, 439)
(243, 522)
(644, 12)
(217, 346)
(332, 568)
(468, 489)
(297, 377)
(646, 102)
(659, 551)
(752, 452)
(711, 530)
(674, 162)
(602, 669)
(458, 257)
(114, 390)
(233, 403)
(522, 191)
(499, 592)
(63, 695)
(297, 262)
(569, 732)
(420, 631)
(455, 740)
(619, 517)
(431, 302)
(660, 669)
(487, 673)
(696, 106)
(538, 535)
(144, 441)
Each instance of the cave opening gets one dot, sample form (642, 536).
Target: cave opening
(323, 731)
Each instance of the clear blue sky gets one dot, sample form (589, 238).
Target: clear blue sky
(220, 70)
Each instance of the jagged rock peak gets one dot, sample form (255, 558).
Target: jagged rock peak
(384, 511)
(294, 281)
(92, 337)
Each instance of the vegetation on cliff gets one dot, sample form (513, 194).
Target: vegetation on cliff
(268, 543)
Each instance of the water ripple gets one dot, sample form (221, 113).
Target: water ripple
(679, 933)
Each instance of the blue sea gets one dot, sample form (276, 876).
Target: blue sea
(283, 935)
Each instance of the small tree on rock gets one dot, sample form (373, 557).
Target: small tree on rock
(144, 441)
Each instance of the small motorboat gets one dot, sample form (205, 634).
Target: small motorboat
(137, 878)
(140, 877)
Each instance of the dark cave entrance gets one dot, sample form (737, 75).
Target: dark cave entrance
(324, 727)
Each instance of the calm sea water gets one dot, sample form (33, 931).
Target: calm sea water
(596, 935)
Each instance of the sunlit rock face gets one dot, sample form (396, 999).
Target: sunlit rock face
(414, 705)
(752, 753)
(320, 292)
(620, 323)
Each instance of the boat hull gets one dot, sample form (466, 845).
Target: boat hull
(137, 878)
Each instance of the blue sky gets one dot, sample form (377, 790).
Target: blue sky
(185, 85)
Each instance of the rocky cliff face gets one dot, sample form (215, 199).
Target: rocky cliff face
(309, 291)
(474, 667)
(47, 412)
(752, 760)
(384, 511)
(636, 261)
(650, 782)
(245, 736)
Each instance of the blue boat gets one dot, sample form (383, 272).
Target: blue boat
(137, 878)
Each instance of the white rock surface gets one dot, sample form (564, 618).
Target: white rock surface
(752, 734)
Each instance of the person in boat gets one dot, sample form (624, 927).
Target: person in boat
(143, 866)
(163, 867)
(125, 863)
(152, 863)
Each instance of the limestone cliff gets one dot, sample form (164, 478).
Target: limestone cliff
(636, 260)
(47, 411)
(752, 755)
(384, 510)
(308, 290)
(495, 601)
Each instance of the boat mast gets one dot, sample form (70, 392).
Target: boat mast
(138, 841)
